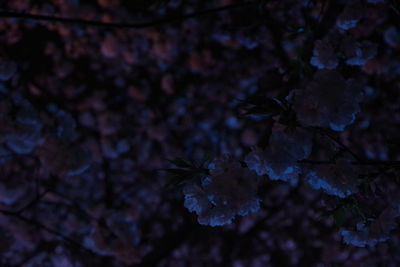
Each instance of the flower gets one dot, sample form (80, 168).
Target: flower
(328, 101)
(392, 37)
(279, 159)
(228, 191)
(339, 179)
(376, 231)
(324, 55)
(7, 69)
(350, 16)
(359, 53)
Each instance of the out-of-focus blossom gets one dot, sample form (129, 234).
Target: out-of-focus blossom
(23, 133)
(350, 16)
(324, 56)
(66, 129)
(9, 194)
(392, 37)
(7, 69)
(359, 53)
(12, 187)
(64, 159)
(328, 101)
(117, 237)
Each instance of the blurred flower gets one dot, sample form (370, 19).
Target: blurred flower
(7, 69)
(392, 37)
(64, 159)
(328, 101)
(324, 55)
(23, 133)
(350, 16)
(358, 53)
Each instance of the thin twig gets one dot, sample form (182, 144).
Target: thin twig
(365, 163)
(35, 201)
(46, 228)
(162, 21)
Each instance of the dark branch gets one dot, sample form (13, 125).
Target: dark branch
(18, 15)
(47, 229)
(33, 202)
(366, 162)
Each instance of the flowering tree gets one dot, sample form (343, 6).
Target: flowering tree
(280, 120)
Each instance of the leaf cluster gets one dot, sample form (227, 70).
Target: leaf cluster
(184, 170)
(261, 106)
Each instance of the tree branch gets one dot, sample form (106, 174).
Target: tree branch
(47, 229)
(35, 201)
(365, 163)
(162, 21)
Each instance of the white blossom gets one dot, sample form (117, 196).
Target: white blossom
(228, 191)
(328, 101)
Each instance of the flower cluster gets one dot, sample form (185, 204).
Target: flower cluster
(279, 160)
(228, 191)
(329, 101)
(358, 53)
(339, 179)
(350, 16)
(376, 231)
(324, 56)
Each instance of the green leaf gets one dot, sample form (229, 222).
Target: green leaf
(175, 171)
(259, 104)
(207, 157)
(182, 163)
(175, 181)
(339, 217)
(358, 211)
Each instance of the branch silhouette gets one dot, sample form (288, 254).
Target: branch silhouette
(365, 162)
(46, 228)
(95, 23)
